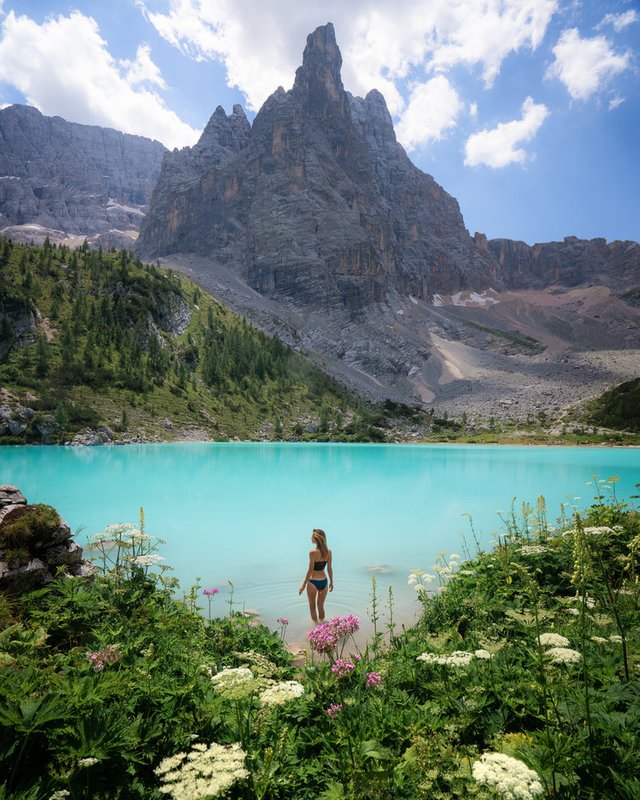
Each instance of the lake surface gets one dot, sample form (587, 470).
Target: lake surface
(243, 512)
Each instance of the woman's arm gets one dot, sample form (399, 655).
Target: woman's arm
(309, 573)
(330, 571)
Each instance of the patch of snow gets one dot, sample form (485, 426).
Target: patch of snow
(437, 300)
(114, 205)
(413, 300)
(474, 299)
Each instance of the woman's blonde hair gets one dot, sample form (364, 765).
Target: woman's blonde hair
(320, 539)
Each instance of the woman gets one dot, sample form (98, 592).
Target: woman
(315, 579)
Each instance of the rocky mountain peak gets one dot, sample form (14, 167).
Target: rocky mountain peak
(224, 135)
(318, 81)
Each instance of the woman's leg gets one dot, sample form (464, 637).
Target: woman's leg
(312, 593)
(322, 594)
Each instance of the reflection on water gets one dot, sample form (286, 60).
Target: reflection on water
(244, 512)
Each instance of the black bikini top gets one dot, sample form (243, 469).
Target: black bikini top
(318, 565)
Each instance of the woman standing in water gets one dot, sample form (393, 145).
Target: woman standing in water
(315, 579)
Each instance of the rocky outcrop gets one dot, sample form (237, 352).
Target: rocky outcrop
(60, 177)
(317, 203)
(568, 263)
(35, 544)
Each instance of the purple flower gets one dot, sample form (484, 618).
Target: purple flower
(333, 710)
(210, 592)
(342, 668)
(374, 679)
(325, 637)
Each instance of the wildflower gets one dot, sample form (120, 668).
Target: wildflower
(484, 655)
(512, 779)
(98, 659)
(467, 572)
(60, 794)
(598, 530)
(573, 611)
(207, 771)
(564, 655)
(88, 762)
(283, 620)
(281, 693)
(148, 560)
(553, 640)
(459, 658)
(616, 639)
(599, 639)
(374, 679)
(234, 683)
(342, 668)
(333, 710)
(210, 592)
(325, 637)
(533, 549)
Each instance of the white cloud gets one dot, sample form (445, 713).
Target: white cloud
(143, 70)
(63, 67)
(615, 102)
(499, 147)
(473, 110)
(382, 43)
(585, 65)
(432, 111)
(620, 21)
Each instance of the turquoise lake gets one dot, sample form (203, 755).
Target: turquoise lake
(243, 512)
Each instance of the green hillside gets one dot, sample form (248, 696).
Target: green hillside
(90, 339)
(618, 408)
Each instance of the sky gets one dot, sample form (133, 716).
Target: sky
(526, 111)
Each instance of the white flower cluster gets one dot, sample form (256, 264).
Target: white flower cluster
(149, 560)
(281, 693)
(484, 655)
(89, 761)
(60, 794)
(420, 580)
(564, 655)
(598, 530)
(511, 778)
(558, 650)
(553, 640)
(207, 771)
(459, 658)
(533, 549)
(234, 683)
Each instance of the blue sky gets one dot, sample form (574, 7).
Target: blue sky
(526, 111)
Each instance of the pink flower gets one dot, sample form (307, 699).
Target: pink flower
(342, 668)
(210, 592)
(283, 620)
(99, 658)
(325, 637)
(333, 710)
(374, 679)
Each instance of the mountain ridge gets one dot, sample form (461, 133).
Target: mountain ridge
(314, 224)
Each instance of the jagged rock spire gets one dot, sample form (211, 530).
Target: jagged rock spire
(318, 81)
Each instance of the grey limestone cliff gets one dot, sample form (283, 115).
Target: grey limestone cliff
(316, 203)
(76, 179)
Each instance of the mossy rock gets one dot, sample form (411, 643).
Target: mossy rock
(32, 527)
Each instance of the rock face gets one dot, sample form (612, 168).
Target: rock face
(61, 177)
(567, 263)
(316, 202)
(35, 542)
(314, 224)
